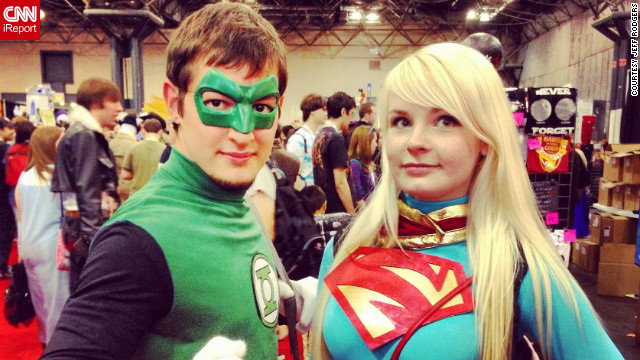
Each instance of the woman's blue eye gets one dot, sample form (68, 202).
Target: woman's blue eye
(447, 120)
(400, 122)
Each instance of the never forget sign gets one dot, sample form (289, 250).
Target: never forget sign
(552, 111)
(20, 20)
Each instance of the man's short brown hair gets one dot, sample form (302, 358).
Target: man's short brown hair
(311, 103)
(224, 34)
(95, 91)
(365, 108)
(152, 125)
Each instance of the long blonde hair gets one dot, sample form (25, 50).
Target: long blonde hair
(502, 209)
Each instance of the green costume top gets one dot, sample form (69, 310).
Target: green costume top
(221, 265)
(180, 262)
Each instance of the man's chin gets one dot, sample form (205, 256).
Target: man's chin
(234, 187)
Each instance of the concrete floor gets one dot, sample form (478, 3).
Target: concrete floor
(618, 314)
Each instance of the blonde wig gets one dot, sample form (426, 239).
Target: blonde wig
(502, 209)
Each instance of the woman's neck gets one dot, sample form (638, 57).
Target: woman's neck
(428, 206)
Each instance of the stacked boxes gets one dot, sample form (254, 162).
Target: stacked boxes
(619, 185)
(618, 275)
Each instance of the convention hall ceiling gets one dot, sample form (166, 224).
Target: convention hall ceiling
(330, 23)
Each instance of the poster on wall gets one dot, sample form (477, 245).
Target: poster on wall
(548, 154)
(552, 110)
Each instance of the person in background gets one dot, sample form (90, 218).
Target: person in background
(7, 216)
(284, 160)
(330, 160)
(287, 131)
(17, 158)
(316, 199)
(85, 171)
(451, 243)
(120, 145)
(314, 114)
(141, 161)
(364, 141)
(39, 214)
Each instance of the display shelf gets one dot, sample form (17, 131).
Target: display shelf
(615, 211)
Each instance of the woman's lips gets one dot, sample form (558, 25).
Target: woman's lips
(412, 169)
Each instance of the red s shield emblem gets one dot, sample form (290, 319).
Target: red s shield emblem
(384, 291)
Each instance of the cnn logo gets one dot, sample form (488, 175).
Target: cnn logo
(20, 20)
(17, 14)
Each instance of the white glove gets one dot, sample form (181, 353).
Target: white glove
(222, 348)
(306, 291)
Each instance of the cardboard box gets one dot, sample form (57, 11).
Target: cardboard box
(589, 255)
(595, 228)
(605, 193)
(617, 279)
(618, 253)
(575, 253)
(617, 273)
(617, 199)
(631, 168)
(617, 229)
(631, 197)
(613, 162)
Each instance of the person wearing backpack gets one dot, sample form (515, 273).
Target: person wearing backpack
(430, 267)
(364, 141)
(314, 114)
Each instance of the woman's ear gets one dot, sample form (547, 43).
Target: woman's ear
(484, 149)
(172, 100)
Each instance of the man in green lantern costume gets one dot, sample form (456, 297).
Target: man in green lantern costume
(184, 260)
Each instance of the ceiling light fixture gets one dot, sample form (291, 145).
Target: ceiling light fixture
(372, 17)
(356, 15)
(471, 14)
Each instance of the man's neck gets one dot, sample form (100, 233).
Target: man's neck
(334, 123)
(152, 137)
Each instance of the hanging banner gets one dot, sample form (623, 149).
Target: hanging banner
(552, 111)
(550, 154)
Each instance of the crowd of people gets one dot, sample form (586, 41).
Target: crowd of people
(170, 247)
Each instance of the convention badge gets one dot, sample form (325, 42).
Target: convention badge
(383, 292)
(243, 115)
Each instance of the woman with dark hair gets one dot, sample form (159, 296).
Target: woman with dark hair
(39, 212)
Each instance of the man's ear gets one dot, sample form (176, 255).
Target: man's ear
(279, 105)
(172, 100)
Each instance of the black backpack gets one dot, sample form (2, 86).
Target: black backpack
(297, 240)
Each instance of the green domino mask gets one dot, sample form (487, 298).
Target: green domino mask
(242, 116)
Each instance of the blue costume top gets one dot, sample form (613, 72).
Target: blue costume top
(454, 336)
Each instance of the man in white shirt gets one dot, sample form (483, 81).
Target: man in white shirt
(314, 114)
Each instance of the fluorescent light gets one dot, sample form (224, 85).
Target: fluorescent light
(485, 16)
(373, 17)
(356, 15)
(471, 15)
(42, 14)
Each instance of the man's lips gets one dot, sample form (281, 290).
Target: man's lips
(238, 157)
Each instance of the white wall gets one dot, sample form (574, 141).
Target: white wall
(574, 53)
(311, 69)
